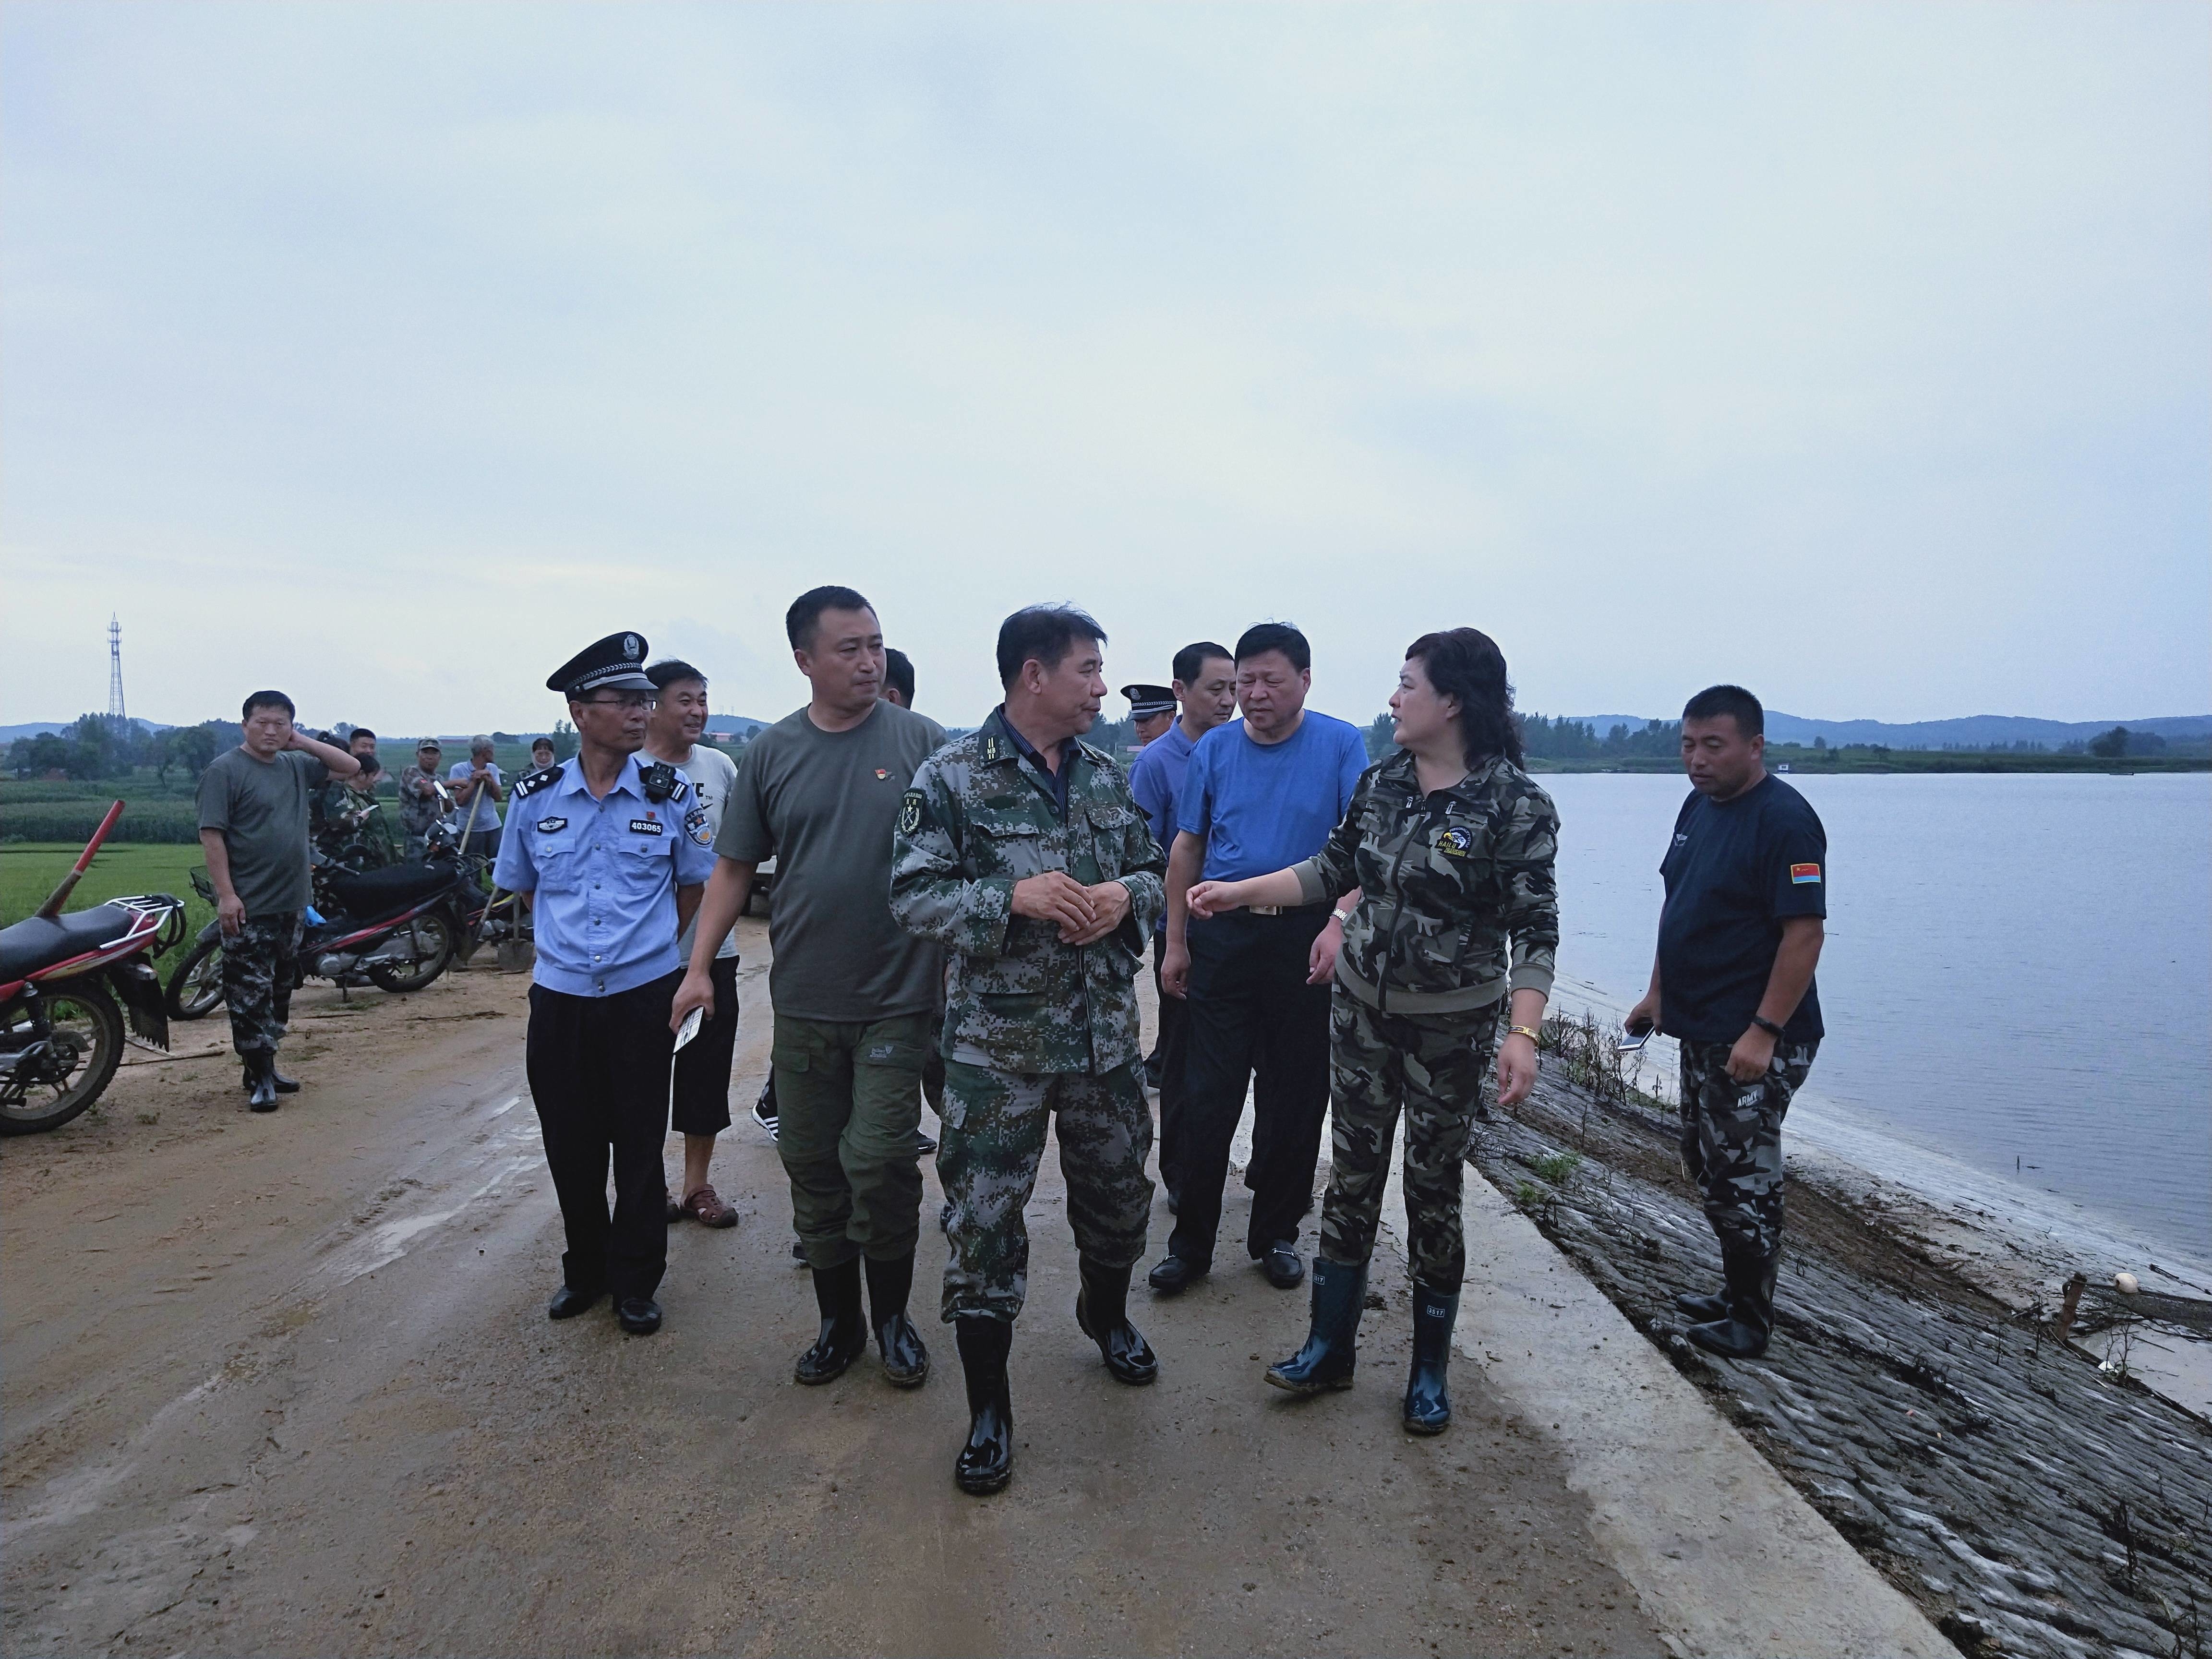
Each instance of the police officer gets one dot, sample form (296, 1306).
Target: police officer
(1152, 711)
(1021, 849)
(613, 856)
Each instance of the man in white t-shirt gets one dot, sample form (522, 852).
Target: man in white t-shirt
(478, 787)
(700, 1102)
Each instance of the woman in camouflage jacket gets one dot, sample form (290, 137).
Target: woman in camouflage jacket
(1451, 846)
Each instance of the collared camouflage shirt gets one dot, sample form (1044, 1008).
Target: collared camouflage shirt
(979, 818)
(1458, 903)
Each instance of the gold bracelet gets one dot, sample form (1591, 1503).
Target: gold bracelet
(1529, 1031)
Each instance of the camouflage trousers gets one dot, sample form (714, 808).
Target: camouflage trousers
(1732, 1139)
(1432, 1067)
(261, 965)
(989, 1148)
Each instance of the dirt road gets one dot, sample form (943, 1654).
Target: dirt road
(284, 1384)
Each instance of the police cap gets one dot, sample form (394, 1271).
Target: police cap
(1148, 701)
(614, 664)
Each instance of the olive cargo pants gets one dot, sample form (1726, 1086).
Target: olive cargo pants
(848, 1099)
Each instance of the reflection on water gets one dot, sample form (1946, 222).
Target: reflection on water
(2017, 968)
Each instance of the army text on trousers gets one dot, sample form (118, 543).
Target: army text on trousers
(1032, 1024)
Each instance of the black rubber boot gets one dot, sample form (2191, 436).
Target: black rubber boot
(1742, 1335)
(844, 1334)
(906, 1362)
(285, 1085)
(1330, 1352)
(986, 1461)
(1102, 1312)
(261, 1081)
(1428, 1402)
(1702, 1308)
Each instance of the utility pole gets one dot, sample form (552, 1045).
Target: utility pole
(115, 670)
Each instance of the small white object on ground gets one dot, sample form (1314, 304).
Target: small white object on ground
(2126, 1283)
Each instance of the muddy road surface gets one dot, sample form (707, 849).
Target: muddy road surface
(284, 1384)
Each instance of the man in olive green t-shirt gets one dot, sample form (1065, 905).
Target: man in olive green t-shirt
(854, 992)
(254, 828)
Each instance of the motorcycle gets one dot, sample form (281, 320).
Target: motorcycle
(61, 978)
(398, 927)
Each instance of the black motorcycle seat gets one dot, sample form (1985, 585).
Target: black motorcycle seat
(369, 894)
(39, 943)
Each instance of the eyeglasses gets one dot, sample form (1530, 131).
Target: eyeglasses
(624, 700)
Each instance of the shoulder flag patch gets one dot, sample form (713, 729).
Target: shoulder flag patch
(1800, 874)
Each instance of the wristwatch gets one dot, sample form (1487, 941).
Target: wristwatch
(1767, 1026)
(1341, 918)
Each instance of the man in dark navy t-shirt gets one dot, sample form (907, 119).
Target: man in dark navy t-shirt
(1741, 932)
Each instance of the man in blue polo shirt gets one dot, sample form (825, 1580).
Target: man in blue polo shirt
(1205, 686)
(1259, 794)
(613, 857)
(1746, 879)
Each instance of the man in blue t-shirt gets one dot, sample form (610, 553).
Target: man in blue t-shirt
(1205, 687)
(1259, 794)
(1739, 936)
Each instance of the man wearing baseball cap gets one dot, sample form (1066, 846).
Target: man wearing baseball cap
(612, 856)
(419, 808)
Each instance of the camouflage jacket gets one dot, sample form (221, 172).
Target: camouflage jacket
(979, 818)
(1446, 880)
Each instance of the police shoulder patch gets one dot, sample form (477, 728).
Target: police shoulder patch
(540, 779)
(910, 818)
(696, 825)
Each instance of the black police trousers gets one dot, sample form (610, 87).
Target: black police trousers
(598, 1072)
(1174, 1032)
(1251, 1016)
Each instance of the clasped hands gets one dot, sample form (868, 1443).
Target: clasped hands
(1083, 914)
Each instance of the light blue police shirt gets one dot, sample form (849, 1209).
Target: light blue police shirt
(605, 875)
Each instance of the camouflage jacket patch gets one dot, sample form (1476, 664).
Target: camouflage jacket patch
(976, 821)
(1455, 905)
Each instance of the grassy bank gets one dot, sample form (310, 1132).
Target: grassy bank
(29, 870)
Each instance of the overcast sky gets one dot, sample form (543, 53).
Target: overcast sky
(389, 355)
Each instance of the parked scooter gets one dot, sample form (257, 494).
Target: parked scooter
(61, 978)
(397, 928)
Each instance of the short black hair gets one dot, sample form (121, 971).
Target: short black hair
(1276, 636)
(268, 699)
(798, 621)
(1716, 701)
(1042, 634)
(668, 670)
(899, 673)
(361, 732)
(1192, 657)
(541, 743)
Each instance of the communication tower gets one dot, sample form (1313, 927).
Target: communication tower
(114, 669)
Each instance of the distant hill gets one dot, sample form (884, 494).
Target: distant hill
(40, 728)
(1971, 731)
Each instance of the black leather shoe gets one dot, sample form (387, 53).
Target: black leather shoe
(843, 1337)
(568, 1302)
(923, 1145)
(1702, 1308)
(1101, 1313)
(1173, 1275)
(1283, 1269)
(898, 1345)
(639, 1315)
(985, 1463)
(261, 1082)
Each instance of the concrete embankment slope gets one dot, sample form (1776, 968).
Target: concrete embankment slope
(1725, 1556)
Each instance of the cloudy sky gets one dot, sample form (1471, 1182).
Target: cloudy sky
(390, 354)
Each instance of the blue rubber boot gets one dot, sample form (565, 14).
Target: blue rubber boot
(1327, 1360)
(1428, 1403)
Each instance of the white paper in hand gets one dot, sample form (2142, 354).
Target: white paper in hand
(689, 1028)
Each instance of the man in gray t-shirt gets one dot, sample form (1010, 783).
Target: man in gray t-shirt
(253, 819)
(854, 992)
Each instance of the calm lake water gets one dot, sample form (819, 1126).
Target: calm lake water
(2018, 972)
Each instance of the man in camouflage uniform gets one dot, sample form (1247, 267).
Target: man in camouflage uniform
(1022, 851)
(419, 806)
